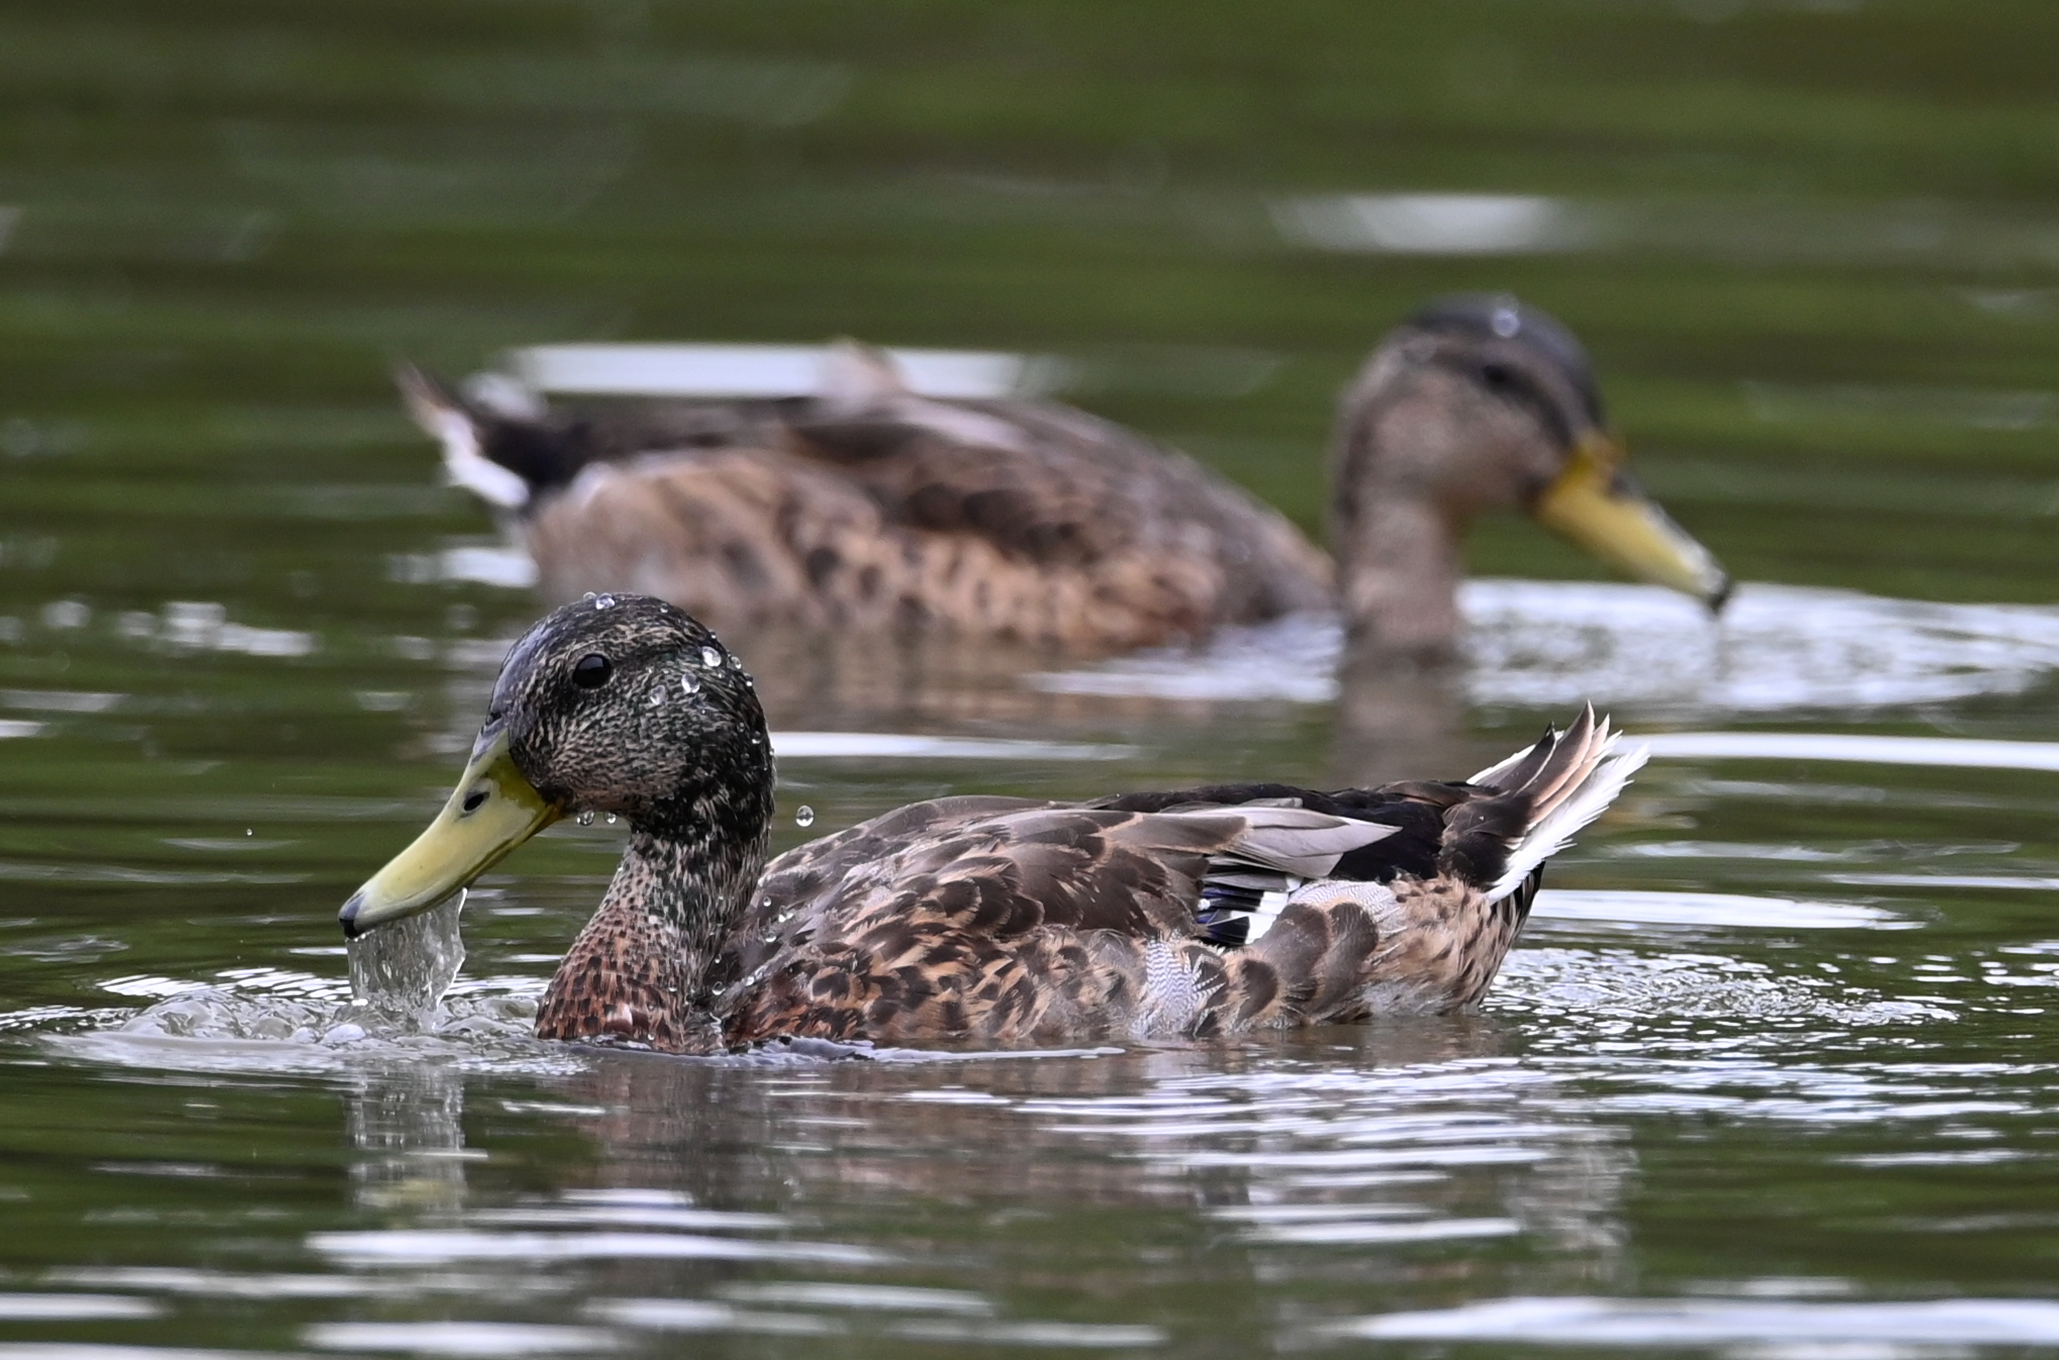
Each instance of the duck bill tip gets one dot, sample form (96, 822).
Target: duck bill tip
(1594, 503)
(493, 809)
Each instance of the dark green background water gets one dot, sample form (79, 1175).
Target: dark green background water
(1817, 260)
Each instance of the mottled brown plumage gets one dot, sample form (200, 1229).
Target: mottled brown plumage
(1002, 921)
(870, 507)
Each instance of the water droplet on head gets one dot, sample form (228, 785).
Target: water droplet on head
(1506, 321)
(657, 695)
(710, 657)
(587, 596)
(736, 661)
(604, 602)
(689, 684)
(586, 818)
(804, 816)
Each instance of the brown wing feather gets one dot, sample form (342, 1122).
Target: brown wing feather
(1005, 519)
(1035, 923)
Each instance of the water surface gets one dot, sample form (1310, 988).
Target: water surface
(1773, 1072)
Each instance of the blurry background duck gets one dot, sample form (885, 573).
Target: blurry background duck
(1197, 912)
(866, 506)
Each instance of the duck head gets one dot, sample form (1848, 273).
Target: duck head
(1477, 403)
(618, 704)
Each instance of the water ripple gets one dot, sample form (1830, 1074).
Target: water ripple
(1550, 644)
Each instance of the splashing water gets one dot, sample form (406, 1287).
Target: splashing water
(399, 972)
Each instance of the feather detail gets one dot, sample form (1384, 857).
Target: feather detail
(856, 377)
(444, 417)
(1581, 773)
(1293, 841)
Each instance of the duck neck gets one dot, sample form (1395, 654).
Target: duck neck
(1394, 530)
(1398, 572)
(638, 971)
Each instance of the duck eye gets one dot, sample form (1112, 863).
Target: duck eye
(592, 671)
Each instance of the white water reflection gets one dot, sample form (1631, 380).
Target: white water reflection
(1859, 748)
(1438, 224)
(1758, 229)
(429, 1246)
(906, 746)
(1550, 644)
(716, 370)
(1632, 910)
(1895, 1327)
(486, 1340)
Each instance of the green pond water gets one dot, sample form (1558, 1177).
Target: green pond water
(1775, 1070)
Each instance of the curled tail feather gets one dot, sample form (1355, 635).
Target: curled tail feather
(1571, 779)
(444, 417)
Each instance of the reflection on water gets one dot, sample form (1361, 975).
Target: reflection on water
(1777, 1326)
(407, 1125)
(1643, 651)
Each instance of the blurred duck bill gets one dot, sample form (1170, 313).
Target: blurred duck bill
(1598, 505)
(494, 809)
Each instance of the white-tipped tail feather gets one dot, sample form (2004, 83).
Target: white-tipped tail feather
(443, 418)
(855, 378)
(1575, 777)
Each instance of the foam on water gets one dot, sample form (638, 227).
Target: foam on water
(1547, 644)
(1593, 995)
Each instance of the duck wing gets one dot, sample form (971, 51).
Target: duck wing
(1192, 912)
(1007, 925)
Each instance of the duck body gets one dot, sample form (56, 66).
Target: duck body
(1022, 520)
(1001, 921)
(869, 506)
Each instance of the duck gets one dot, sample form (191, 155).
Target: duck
(1191, 913)
(867, 506)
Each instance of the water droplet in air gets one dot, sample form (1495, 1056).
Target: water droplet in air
(710, 657)
(805, 816)
(250, 831)
(612, 819)
(586, 818)
(657, 695)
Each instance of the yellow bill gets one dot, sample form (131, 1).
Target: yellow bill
(494, 809)
(1593, 504)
